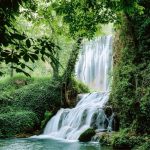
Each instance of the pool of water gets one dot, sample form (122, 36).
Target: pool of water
(47, 144)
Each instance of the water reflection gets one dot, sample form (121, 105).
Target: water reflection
(46, 144)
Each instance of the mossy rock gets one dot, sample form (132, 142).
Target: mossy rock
(87, 135)
(105, 138)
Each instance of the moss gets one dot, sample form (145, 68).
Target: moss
(87, 135)
(105, 139)
(47, 116)
(79, 87)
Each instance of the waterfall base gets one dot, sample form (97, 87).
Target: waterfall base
(71, 123)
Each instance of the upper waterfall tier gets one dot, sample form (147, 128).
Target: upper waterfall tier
(95, 63)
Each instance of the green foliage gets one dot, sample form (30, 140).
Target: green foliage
(30, 101)
(38, 97)
(26, 103)
(87, 135)
(79, 87)
(16, 47)
(17, 122)
(47, 117)
(124, 139)
(105, 139)
(144, 146)
(83, 16)
(122, 142)
(130, 89)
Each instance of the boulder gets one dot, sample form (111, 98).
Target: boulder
(87, 135)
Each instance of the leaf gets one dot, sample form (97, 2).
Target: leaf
(5, 53)
(43, 59)
(42, 51)
(15, 59)
(23, 65)
(34, 56)
(28, 43)
(1, 73)
(31, 58)
(21, 71)
(26, 57)
(36, 52)
(18, 36)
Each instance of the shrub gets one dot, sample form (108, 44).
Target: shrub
(144, 146)
(32, 99)
(17, 122)
(105, 139)
(10, 84)
(37, 96)
(126, 139)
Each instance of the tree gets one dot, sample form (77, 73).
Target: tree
(84, 19)
(16, 47)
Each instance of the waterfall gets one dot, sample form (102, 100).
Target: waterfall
(93, 68)
(95, 63)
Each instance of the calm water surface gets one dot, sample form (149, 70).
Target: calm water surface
(46, 144)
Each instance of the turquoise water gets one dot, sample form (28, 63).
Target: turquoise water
(46, 144)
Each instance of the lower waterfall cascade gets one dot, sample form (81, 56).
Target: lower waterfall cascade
(71, 123)
(89, 113)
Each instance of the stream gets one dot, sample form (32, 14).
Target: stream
(47, 144)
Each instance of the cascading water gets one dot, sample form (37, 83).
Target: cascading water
(95, 63)
(92, 68)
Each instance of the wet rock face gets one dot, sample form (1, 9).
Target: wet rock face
(115, 123)
(108, 111)
(113, 117)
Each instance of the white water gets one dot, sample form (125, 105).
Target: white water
(92, 68)
(70, 123)
(95, 63)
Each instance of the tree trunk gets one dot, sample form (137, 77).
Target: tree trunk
(12, 70)
(66, 78)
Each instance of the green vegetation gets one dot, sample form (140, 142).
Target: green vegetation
(87, 135)
(47, 116)
(124, 139)
(19, 121)
(130, 89)
(28, 103)
(51, 32)
(145, 146)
